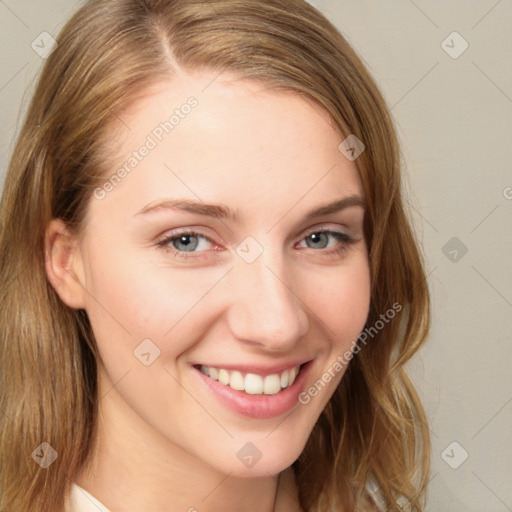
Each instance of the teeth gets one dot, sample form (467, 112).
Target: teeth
(223, 377)
(285, 379)
(252, 383)
(293, 374)
(272, 384)
(236, 381)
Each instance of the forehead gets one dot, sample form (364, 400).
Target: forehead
(218, 138)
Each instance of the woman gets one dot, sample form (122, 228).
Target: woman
(209, 283)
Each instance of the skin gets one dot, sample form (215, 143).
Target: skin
(165, 442)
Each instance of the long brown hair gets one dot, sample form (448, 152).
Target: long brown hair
(108, 54)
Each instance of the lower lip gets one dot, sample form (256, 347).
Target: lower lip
(258, 406)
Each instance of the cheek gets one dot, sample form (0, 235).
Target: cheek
(342, 305)
(130, 300)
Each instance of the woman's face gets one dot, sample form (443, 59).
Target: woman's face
(223, 249)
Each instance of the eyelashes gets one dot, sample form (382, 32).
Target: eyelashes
(342, 239)
(184, 244)
(190, 241)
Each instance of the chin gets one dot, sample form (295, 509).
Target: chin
(259, 457)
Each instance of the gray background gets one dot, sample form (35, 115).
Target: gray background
(453, 111)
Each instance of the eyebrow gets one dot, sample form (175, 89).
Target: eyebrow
(218, 211)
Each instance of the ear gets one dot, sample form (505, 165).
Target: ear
(64, 264)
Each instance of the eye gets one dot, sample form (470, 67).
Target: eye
(188, 242)
(333, 241)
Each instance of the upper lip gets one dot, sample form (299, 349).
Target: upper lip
(257, 369)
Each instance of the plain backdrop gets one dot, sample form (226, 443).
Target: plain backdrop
(445, 70)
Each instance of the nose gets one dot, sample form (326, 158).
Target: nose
(265, 309)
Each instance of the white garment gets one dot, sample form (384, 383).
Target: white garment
(83, 501)
(373, 489)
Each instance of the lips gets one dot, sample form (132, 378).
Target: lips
(259, 398)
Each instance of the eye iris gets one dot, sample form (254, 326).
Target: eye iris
(188, 243)
(320, 239)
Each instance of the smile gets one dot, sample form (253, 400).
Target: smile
(252, 383)
(253, 392)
